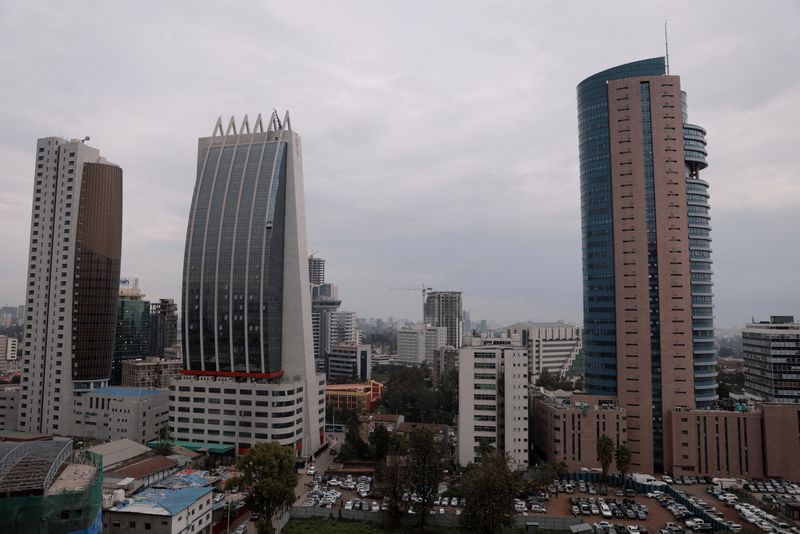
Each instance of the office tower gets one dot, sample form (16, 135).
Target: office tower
(648, 322)
(443, 308)
(466, 320)
(132, 338)
(348, 361)
(772, 359)
(73, 281)
(411, 345)
(316, 271)
(551, 346)
(163, 326)
(324, 302)
(493, 402)
(246, 304)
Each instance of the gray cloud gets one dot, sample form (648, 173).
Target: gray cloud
(440, 139)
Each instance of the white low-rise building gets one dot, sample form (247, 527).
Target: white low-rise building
(493, 402)
(222, 410)
(162, 511)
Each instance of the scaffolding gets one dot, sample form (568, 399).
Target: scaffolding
(29, 502)
(29, 468)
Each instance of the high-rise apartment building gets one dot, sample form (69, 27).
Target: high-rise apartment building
(342, 326)
(772, 359)
(551, 346)
(648, 321)
(8, 354)
(316, 271)
(324, 302)
(349, 362)
(73, 281)
(163, 326)
(493, 402)
(246, 304)
(132, 338)
(444, 308)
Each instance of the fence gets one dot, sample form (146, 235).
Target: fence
(432, 520)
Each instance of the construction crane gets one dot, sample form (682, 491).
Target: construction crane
(421, 287)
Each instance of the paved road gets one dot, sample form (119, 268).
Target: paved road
(323, 463)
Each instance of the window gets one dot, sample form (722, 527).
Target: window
(147, 526)
(132, 524)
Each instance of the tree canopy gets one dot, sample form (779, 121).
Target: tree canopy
(605, 453)
(425, 468)
(489, 488)
(623, 460)
(268, 472)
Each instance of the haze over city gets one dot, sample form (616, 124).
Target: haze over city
(439, 140)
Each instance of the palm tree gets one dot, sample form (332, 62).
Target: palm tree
(605, 453)
(623, 458)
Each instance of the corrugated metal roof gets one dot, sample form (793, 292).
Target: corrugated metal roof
(143, 468)
(118, 451)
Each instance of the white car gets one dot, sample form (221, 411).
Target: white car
(312, 470)
(632, 529)
(454, 501)
(445, 501)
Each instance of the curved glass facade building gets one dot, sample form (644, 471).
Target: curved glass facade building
(247, 336)
(233, 262)
(648, 317)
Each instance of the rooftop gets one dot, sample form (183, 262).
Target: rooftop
(143, 468)
(165, 502)
(120, 391)
(198, 446)
(115, 452)
(30, 467)
(188, 478)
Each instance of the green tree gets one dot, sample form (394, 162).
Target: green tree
(164, 445)
(552, 382)
(489, 488)
(268, 472)
(380, 440)
(605, 453)
(425, 468)
(623, 459)
(393, 480)
(407, 393)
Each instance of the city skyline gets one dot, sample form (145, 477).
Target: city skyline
(416, 210)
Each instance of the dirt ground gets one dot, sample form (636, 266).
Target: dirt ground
(656, 515)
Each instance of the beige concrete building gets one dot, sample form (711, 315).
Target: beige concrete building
(150, 372)
(116, 412)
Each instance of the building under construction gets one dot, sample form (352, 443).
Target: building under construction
(47, 488)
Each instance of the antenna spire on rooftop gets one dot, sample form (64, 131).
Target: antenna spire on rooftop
(666, 46)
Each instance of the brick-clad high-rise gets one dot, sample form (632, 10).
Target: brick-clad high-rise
(646, 252)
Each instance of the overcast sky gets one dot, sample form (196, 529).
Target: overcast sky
(440, 138)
